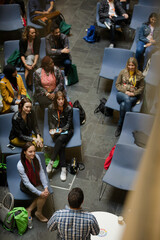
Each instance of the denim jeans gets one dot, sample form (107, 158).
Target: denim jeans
(66, 62)
(115, 21)
(126, 102)
(148, 53)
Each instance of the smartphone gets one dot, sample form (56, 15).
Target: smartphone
(11, 146)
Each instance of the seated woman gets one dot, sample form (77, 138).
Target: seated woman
(12, 89)
(23, 124)
(130, 86)
(29, 46)
(149, 39)
(33, 180)
(48, 80)
(60, 120)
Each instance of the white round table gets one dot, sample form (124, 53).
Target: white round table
(110, 229)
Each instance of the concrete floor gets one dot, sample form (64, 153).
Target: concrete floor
(97, 133)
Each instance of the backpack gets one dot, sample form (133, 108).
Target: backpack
(91, 34)
(64, 27)
(101, 108)
(15, 59)
(72, 75)
(74, 166)
(82, 113)
(17, 217)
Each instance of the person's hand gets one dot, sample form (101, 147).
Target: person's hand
(17, 102)
(52, 131)
(60, 130)
(39, 141)
(130, 94)
(44, 12)
(33, 65)
(29, 67)
(148, 44)
(46, 191)
(152, 41)
(44, 194)
(51, 96)
(65, 50)
(125, 15)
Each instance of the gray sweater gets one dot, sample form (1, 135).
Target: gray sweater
(25, 178)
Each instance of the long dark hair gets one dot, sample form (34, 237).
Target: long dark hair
(57, 95)
(22, 102)
(155, 15)
(8, 70)
(23, 157)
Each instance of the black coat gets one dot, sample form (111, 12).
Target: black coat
(22, 129)
(66, 118)
(24, 43)
(104, 10)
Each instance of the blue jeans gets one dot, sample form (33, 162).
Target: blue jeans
(126, 102)
(148, 53)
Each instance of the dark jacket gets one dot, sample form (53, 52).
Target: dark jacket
(40, 91)
(24, 43)
(66, 118)
(145, 31)
(22, 129)
(62, 42)
(104, 10)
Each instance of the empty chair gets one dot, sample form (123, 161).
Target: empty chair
(13, 177)
(152, 76)
(10, 17)
(148, 2)
(75, 141)
(123, 169)
(114, 60)
(136, 37)
(140, 14)
(112, 100)
(135, 122)
(5, 128)
(9, 48)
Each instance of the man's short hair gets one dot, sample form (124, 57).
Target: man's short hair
(75, 197)
(54, 26)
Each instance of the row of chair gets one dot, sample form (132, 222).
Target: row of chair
(127, 155)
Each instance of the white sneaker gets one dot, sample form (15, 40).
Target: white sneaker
(107, 24)
(111, 45)
(66, 80)
(63, 174)
(49, 167)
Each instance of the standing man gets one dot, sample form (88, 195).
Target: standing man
(57, 47)
(74, 223)
(112, 13)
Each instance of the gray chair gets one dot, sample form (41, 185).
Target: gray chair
(148, 2)
(135, 122)
(114, 60)
(152, 76)
(5, 128)
(13, 177)
(10, 17)
(136, 37)
(9, 48)
(140, 15)
(112, 100)
(123, 169)
(75, 141)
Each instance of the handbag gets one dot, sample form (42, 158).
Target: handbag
(17, 217)
(3, 174)
(82, 113)
(74, 166)
(64, 27)
(6, 206)
(72, 75)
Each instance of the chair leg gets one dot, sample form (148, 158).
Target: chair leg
(102, 191)
(98, 84)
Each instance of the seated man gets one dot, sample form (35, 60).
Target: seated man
(38, 8)
(112, 13)
(57, 47)
(73, 222)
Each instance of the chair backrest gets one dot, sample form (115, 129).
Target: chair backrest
(23, 78)
(13, 177)
(5, 124)
(141, 14)
(148, 2)
(136, 37)
(9, 48)
(10, 17)
(99, 24)
(152, 76)
(42, 51)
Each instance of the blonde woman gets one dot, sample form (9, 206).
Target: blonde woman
(130, 86)
(29, 46)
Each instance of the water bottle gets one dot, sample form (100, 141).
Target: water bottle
(30, 224)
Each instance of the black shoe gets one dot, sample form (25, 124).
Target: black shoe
(118, 131)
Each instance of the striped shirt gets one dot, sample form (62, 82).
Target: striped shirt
(73, 224)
